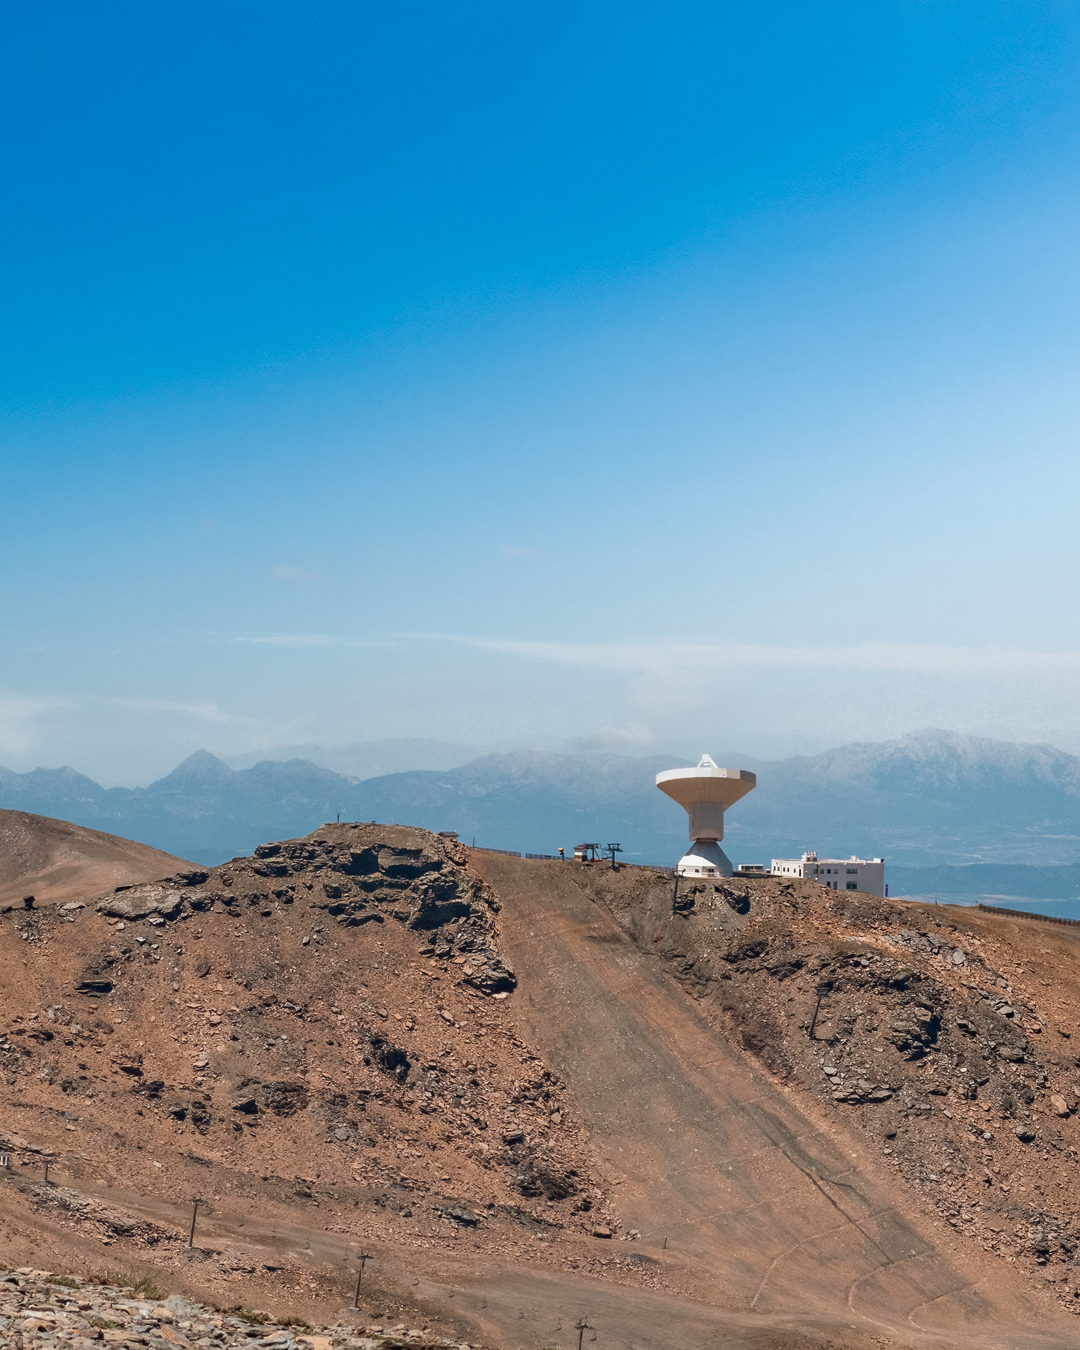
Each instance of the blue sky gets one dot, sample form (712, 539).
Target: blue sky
(691, 375)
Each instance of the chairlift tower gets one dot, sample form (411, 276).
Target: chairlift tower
(705, 793)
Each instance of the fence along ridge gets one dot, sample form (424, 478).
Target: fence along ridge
(1028, 914)
(554, 857)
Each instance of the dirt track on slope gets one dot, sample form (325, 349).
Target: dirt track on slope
(491, 1302)
(763, 1210)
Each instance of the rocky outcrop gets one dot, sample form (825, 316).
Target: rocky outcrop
(359, 875)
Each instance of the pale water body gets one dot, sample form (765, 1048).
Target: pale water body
(1058, 909)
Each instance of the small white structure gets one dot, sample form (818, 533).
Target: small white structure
(837, 874)
(705, 793)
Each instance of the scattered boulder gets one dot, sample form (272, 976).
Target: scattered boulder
(392, 1059)
(139, 902)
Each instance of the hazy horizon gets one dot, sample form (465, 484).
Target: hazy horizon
(403, 755)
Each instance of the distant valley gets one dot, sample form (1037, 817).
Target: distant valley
(990, 818)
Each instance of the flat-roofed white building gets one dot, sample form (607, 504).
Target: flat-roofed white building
(838, 874)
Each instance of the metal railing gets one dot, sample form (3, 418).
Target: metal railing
(554, 857)
(1028, 914)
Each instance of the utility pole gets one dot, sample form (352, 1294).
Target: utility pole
(581, 1327)
(822, 990)
(194, 1214)
(363, 1258)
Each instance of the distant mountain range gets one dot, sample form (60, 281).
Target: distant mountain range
(367, 759)
(203, 810)
(930, 800)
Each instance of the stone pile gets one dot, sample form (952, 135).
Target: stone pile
(40, 1310)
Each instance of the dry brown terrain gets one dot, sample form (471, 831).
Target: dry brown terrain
(56, 861)
(534, 1091)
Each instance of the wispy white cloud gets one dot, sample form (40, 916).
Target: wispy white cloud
(309, 640)
(656, 658)
(199, 712)
(63, 728)
(632, 736)
(289, 639)
(21, 717)
(294, 574)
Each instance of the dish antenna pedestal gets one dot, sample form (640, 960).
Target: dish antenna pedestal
(705, 793)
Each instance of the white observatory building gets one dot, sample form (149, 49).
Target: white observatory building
(706, 793)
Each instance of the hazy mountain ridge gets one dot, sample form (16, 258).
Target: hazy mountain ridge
(932, 799)
(367, 759)
(203, 810)
(929, 798)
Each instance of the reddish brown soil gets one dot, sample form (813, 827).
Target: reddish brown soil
(55, 861)
(947, 1033)
(473, 1064)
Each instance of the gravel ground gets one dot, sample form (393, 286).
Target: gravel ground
(40, 1309)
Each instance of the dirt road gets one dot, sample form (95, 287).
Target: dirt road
(726, 1179)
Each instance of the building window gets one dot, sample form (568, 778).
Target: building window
(853, 871)
(852, 886)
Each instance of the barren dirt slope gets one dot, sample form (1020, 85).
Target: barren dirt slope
(764, 1201)
(534, 1092)
(56, 861)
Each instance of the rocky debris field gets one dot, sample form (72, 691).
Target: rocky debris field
(946, 1036)
(40, 1310)
(324, 1030)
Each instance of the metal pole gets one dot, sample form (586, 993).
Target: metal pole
(46, 1170)
(581, 1327)
(363, 1258)
(813, 1020)
(194, 1213)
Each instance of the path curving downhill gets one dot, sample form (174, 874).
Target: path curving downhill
(753, 1206)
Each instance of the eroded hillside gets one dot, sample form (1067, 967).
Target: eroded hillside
(535, 1092)
(946, 1037)
(324, 1027)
